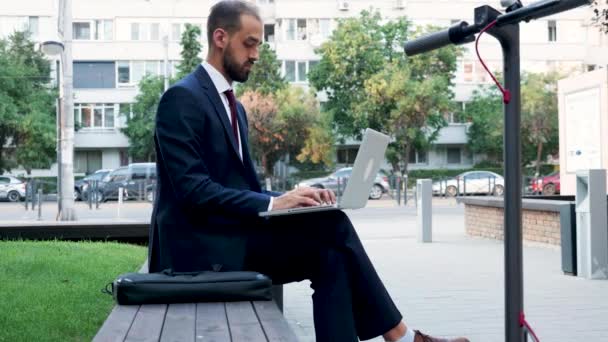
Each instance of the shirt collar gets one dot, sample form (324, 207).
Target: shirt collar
(217, 78)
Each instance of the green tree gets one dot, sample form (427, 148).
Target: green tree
(27, 111)
(191, 49)
(485, 113)
(141, 116)
(140, 123)
(283, 123)
(370, 83)
(358, 49)
(265, 76)
(540, 130)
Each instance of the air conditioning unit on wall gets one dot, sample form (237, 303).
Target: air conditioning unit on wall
(343, 5)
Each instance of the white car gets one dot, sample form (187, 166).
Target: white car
(471, 183)
(11, 188)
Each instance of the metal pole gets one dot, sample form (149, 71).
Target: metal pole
(67, 142)
(97, 195)
(398, 190)
(58, 123)
(508, 36)
(39, 204)
(166, 61)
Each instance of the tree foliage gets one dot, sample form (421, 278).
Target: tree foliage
(265, 77)
(191, 49)
(283, 123)
(27, 106)
(370, 83)
(539, 133)
(141, 116)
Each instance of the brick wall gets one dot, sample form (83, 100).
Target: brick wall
(487, 222)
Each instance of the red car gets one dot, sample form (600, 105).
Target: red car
(547, 185)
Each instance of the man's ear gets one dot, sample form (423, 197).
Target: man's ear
(220, 38)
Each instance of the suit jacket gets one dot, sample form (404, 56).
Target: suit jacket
(207, 198)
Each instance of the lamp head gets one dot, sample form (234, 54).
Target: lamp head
(52, 48)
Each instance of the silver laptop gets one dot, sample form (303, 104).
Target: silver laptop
(368, 161)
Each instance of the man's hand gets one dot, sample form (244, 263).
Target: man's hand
(303, 197)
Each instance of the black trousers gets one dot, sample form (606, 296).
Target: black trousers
(349, 299)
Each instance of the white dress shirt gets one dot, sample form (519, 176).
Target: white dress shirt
(221, 84)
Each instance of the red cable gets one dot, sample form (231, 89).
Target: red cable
(524, 323)
(506, 94)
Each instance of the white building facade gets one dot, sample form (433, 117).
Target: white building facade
(117, 42)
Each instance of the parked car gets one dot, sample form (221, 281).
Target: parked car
(132, 178)
(81, 186)
(470, 183)
(11, 188)
(379, 187)
(548, 185)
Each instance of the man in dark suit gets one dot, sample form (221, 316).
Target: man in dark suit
(206, 213)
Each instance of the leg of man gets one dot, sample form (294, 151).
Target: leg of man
(325, 248)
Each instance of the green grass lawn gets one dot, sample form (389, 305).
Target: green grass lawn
(51, 291)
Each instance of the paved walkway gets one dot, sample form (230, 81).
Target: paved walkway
(455, 285)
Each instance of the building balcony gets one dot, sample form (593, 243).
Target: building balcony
(100, 138)
(453, 134)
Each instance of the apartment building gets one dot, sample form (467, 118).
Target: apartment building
(117, 42)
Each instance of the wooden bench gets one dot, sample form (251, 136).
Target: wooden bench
(230, 321)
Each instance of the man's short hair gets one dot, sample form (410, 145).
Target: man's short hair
(227, 16)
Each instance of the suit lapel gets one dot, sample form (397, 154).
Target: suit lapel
(247, 162)
(218, 105)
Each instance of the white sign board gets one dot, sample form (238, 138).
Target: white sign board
(583, 130)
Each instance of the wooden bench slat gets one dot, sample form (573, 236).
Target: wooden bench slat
(274, 324)
(148, 323)
(211, 323)
(117, 325)
(179, 323)
(244, 323)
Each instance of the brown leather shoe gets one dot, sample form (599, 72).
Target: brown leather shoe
(420, 337)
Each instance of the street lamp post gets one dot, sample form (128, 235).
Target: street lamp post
(53, 48)
(66, 123)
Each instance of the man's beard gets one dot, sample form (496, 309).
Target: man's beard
(235, 71)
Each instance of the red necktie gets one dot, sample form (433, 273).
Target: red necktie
(232, 103)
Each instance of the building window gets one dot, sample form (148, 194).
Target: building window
(145, 31)
(297, 71)
(95, 115)
(552, 28)
(82, 31)
(269, 33)
(131, 72)
(302, 34)
(134, 31)
(123, 72)
(418, 157)
(454, 155)
(325, 26)
(290, 29)
(33, 25)
(176, 32)
(93, 30)
(155, 31)
(347, 155)
(93, 75)
(290, 71)
(87, 162)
